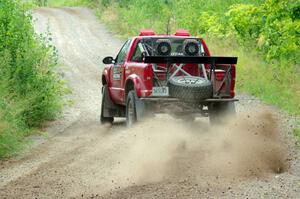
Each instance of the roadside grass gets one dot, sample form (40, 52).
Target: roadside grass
(30, 89)
(12, 127)
(296, 133)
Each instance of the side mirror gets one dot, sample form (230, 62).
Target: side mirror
(108, 60)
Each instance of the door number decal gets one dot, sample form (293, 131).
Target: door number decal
(116, 73)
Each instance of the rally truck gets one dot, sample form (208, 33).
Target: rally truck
(174, 74)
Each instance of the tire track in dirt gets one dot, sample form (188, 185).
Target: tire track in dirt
(161, 158)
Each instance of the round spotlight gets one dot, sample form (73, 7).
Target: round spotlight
(163, 47)
(191, 47)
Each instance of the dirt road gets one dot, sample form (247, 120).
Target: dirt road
(252, 157)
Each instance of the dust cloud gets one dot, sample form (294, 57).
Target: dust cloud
(166, 148)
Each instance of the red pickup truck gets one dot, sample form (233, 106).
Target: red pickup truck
(173, 74)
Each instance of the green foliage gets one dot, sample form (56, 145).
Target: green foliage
(41, 2)
(30, 91)
(246, 22)
(273, 26)
(12, 127)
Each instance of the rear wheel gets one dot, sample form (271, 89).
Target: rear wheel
(131, 113)
(105, 119)
(220, 112)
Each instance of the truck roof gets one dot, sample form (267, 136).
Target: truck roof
(147, 33)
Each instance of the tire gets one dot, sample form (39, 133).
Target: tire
(219, 112)
(105, 120)
(131, 112)
(190, 88)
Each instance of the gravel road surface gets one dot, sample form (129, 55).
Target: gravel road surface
(254, 156)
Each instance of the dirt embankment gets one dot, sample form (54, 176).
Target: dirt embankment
(251, 157)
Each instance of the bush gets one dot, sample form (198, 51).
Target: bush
(246, 22)
(273, 26)
(30, 89)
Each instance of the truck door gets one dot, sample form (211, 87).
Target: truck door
(117, 75)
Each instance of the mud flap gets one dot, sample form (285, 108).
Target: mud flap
(140, 109)
(110, 108)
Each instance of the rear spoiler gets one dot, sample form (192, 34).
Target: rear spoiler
(190, 60)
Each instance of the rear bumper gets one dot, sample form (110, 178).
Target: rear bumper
(171, 99)
(176, 106)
